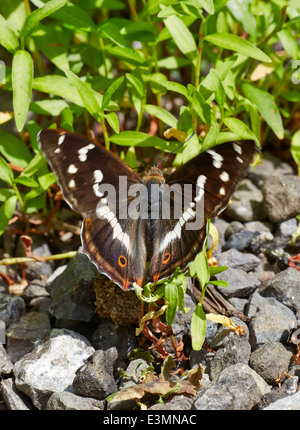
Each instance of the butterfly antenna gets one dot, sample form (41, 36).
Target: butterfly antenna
(172, 152)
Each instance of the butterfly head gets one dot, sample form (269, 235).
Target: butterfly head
(154, 175)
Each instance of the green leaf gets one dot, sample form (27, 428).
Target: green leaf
(58, 86)
(182, 37)
(35, 17)
(6, 174)
(219, 91)
(211, 137)
(112, 32)
(220, 283)
(8, 38)
(295, 147)
(266, 106)
(14, 150)
(27, 181)
(87, 95)
(177, 88)
(289, 42)
(137, 84)
(214, 270)
(22, 77)
(199, 268)
(236, 43)
(162, 114)
(6, 212)
(130, 157)
(171, 295)
(198, 328)
(110, 91)
(37, 161)
(5, 193)
(137, 138)
(113, 121)
(240, 128)
(173, 62)
(48, 107)
(126, 54)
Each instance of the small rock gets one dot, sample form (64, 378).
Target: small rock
(241, 240)
(261, 226)
(238, 387)
(71, 402)
(238, 260)
(289, 403)
(233, 228)
(133, 372)
(6, 365)
(182, 321)
(285, 287)
(95, 378)
(72, 290)
(269, 164)
(11, 308)
(246, 204)
(51, 366)
(24, 333)
(108, 336)
(272, 322)
(34, 289)
(235, 349)
(241, 283)
(281, 197)
(270, 359)
(14, 399)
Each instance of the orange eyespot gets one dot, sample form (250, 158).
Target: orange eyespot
(122, 261)
(166, 258)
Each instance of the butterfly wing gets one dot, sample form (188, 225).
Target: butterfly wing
(213, 175)
(115, 244)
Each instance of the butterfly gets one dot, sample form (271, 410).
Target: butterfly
(147, 244)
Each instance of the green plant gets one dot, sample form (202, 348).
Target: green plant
(175, 67)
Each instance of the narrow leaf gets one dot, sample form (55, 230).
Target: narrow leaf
(182, 37)
(14, 150)
(198, 327)
(241, 129)
(86, 93)
(236, 43)
(35, 17)
(6, 212)
(6, 174)
(266, 106)
(22, 77)
(8, 38)
(162, 114)
(113, 121)
(171, 295)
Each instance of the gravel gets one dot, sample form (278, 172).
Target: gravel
(61, 353)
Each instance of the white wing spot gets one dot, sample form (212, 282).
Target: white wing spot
(72, 169)
(96, 191)
(216, 158)
(222, 191)
(98, 176)
(72, 184)
(224, 176)
(237, 148)
(57, 151)
(82, 152)
(200, 182)
(61, 139)
(239, 159)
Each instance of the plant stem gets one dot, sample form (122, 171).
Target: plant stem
(18, 260)
(105, 134)
(199, 55)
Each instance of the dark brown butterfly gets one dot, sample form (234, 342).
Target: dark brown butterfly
(131, 225)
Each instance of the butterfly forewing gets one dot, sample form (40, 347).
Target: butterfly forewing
(81, 167)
